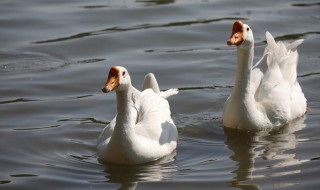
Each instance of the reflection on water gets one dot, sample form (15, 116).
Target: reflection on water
(275, 147)
(129, 176)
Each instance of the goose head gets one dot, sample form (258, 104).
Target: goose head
(118, 79)
(241, 36)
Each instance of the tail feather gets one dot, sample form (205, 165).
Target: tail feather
(293, 46)
(168, 93)
(150, 81)
(270, 40)
(283, 56)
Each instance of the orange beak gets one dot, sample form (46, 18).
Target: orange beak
(236, 37)
(113, 80)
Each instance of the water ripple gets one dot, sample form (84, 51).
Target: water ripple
(94, 6)
(23, 175)
(204, 87)
(36, 128)
(4, 182)
(82, 96)
(296, 36)
(18, 100)
(155, 2)
(309, 74)
(305, 4)
(200, 49)
(17, 62)
(137, 27)
(85, 120)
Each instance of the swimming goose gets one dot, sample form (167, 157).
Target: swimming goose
(266, 95)
(142, 131)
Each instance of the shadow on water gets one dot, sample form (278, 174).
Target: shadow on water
(276, 148)
(129, 176)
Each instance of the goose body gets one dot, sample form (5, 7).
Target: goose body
(265, 95)
(142, 131)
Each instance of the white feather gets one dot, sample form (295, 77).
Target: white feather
(272, 97)
(144, 131)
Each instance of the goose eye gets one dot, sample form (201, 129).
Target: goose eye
(248, 29)
(123, 73)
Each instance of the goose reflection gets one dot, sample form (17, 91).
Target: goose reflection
(270, 149)
(129, 176)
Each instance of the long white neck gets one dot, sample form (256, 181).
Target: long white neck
(125, 120)
(124, 135)
(244, 67)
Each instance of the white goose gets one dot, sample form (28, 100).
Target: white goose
(265, 95)
(142, 131)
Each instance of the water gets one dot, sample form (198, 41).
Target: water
(54, 58)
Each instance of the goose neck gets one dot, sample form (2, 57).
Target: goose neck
(126, 109)
(124, 102)
(244, 67)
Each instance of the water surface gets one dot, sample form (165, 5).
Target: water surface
(55, 56)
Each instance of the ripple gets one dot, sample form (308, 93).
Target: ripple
(81, 97)
(29, 61)
(18, 100)
(82, 157)
(137, 27)
(305, 4)
(85, 120)
(23, 175)
(4, 182)
(200, 49)
(153, 171)
(287, 37)
(36, 128)
(282, 185)
(84, 160)
(316, 158)
(309, 74)
(90, 60)
(204, 87)
(94, 6)
(296, 36)
(155, 2)
(17, 62)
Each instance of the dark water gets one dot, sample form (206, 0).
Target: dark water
(55, 55)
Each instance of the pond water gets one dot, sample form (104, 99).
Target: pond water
(55, 56)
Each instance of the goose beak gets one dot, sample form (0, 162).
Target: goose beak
(113, 80)
(106, 89)
(236, 37)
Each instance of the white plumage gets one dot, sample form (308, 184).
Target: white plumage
(142, 131)
(267, 94)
